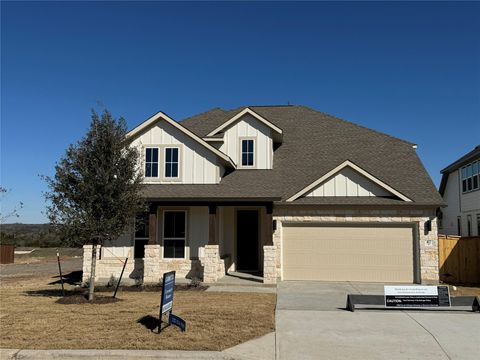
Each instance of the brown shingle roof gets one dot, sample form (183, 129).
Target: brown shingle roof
(313, 144)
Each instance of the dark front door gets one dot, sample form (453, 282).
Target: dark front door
(247, 240)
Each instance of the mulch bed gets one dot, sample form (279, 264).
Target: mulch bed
(83, 299)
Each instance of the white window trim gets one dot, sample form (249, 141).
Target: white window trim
(164, 163)
(240, 165)
(145, 161)
(469, 177)
(164, 238)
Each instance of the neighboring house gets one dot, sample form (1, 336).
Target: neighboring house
(287, 192)
(460, 188)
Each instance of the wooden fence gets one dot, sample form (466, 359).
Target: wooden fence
(459, 259)
(6, 253)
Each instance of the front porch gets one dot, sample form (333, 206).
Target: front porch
(203, 240)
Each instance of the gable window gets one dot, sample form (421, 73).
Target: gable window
(151, 162)
(171, 162)
(174, 233)
(141, 235)
(470, 177)
(248, 152)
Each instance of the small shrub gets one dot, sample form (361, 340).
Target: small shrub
(112, 281)
(195, 282)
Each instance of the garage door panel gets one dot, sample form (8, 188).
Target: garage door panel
(348, 253)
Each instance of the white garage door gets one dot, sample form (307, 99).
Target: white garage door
(353, 253)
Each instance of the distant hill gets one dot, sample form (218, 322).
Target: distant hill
(38, 235)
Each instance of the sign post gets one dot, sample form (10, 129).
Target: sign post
(414, 296)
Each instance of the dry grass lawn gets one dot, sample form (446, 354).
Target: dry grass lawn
(29, 319)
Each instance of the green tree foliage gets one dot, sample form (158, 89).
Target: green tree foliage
(95, 192)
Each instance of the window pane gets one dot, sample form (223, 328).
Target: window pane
(469, 170)
(250, 146)
(168, 155)
(148, 155)
(469, 184)
(464, 173)
(175, 155)
(174, 170)
(169, 224)
(148, 170)
(155, 155)
(168, 170)
(244, 146)
(179, 248)
(464, 185)
(475, 168)
(475, 182)
(179, 224)
(155, 170)
(174, 226)
(250, 159)
(244, 159)
(168, 248)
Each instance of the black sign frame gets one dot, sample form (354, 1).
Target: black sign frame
(168, 289)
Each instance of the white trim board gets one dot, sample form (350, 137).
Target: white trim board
(241, 114)
(354, 167)
(162, 116)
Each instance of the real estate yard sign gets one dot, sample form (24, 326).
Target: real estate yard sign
(166, 302)
(413, 296)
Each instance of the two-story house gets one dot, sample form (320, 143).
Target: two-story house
(460, 188)
(286, 192)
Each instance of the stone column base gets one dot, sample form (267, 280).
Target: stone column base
(269, 264)
(151, 265)
(211, 263)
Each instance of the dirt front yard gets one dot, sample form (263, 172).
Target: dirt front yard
(31, 318)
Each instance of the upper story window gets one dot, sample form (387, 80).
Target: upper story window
(151, 162)
(470, 176)
(248, 155)
(171, 162)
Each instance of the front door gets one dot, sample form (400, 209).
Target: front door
(247, 240)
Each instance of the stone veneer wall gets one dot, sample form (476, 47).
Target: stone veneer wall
(269, 264)
(108, 267)
(427, 243)
(155, 266)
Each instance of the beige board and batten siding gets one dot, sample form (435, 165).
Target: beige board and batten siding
(348, 253)
(251, 128)
(197, 164)
(348, 182)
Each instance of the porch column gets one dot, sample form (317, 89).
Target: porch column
(269, 249)
(152, 225)
(212, 225)
(268, 228)
(212, 253)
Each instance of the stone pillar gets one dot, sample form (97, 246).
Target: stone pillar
(428, 252)
(151, 265)
(269, 264)
(210, 263)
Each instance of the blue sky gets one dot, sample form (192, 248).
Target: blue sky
(411, 70)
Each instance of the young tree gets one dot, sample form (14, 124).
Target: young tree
(95, 193)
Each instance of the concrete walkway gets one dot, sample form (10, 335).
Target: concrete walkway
(311, 324)
(262, 348)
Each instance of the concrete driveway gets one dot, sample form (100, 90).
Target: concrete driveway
(311, 324)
